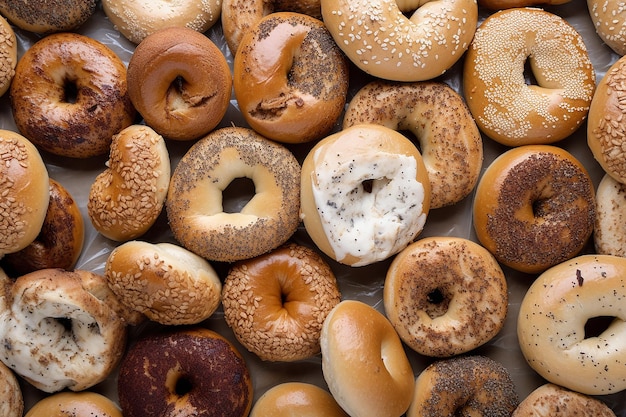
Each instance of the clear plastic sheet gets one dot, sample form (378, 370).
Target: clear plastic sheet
(365, 283)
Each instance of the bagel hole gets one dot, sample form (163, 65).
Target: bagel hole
(65, 322)
(183, 386)
(529, 75)
(237, 194)
(436, 303)
(595, 326)
(70, 91)
(539, 207)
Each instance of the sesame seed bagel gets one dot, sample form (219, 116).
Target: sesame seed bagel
(8, 55)
(290, 78)
(69, 95)
(165, 282)
(25, 187)
(126, 199)
(609, 20)
(507, 108)
(239, 16)
(534, 207)
(78, 404)
(445, 296)
(48, 16)
(60, 241)
(300, 399)
(194, 201)
(450, 142)
(554, 313)
(555, 401)
(12, 404)
(289, 293)
(607, 125)
(136, 19)
(509, 4)
(379, 39)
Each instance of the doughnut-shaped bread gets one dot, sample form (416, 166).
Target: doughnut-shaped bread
(606, 125)
(191, 372)
(276, 303)
(60, 241)
(511, 110)
(180, 82)
(296, 399)
(609, 20)
(48, 16)
(445, 296)
(75, 404)
(194, 202)
(126, 199)
(290, 78)
(137, 19)
(464, 386)
(12, 404)
(364, 363)
(239, 16)
(165, 282)
(365, 194)
(609, 232)
(69, 95)
(24, 190)
(8, 55)
(555, 401)
(534, 207)
(61, 329)
(551, 326)
(509, 4)
(380, 40)
(450, 142)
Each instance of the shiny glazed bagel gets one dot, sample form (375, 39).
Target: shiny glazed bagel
(180, 82)
(534, 207)
(61, 329)
(365, 194)
(69, 95)
(380, 40)
(552, 319)
(290, 78)
(60, 241)
(48, 16)
(137, 19)
(300, 399)
(511, 110)
(75, 404)
(450, 142)
(364, 362)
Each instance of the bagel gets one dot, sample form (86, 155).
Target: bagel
(365, 194)
(48, 16)
(78, 404)
(555, 401)
(509, 4)
(507, 108)
(296, 398)
(69, 95)
(137, 19)
(194, 201)
(8, 55)
(290, 78)
(609, 232)
(11, 393)
(364, 363)
(609, 21)
(552, 320)
(449, 140)
(380, 40)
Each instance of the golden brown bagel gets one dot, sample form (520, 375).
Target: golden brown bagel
(76, 404)
(48, 16)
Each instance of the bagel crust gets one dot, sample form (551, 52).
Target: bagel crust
(450, 142)
(194, 202)
(300, 399)
(609, 20)
(48, 16)
(77, 404)
(379, 39)
(555, 401)
(11, 393)
(552, 319)
(505, 107)
(534, 207)
(609, 232)
(8, 55)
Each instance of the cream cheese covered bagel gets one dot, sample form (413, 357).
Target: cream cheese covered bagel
(290, 78)
(364, 363)
(551, 326)
(165, 282)
(48, 16)
(606, 126)
(534, 207)
(511, 110)
(450, 142)
(380, 40)
(445, 296)
(61, 329)
(365, 194)
(555, 401)
(194, 201)
(136, 19)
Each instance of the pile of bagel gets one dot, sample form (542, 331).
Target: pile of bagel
(323, 207)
